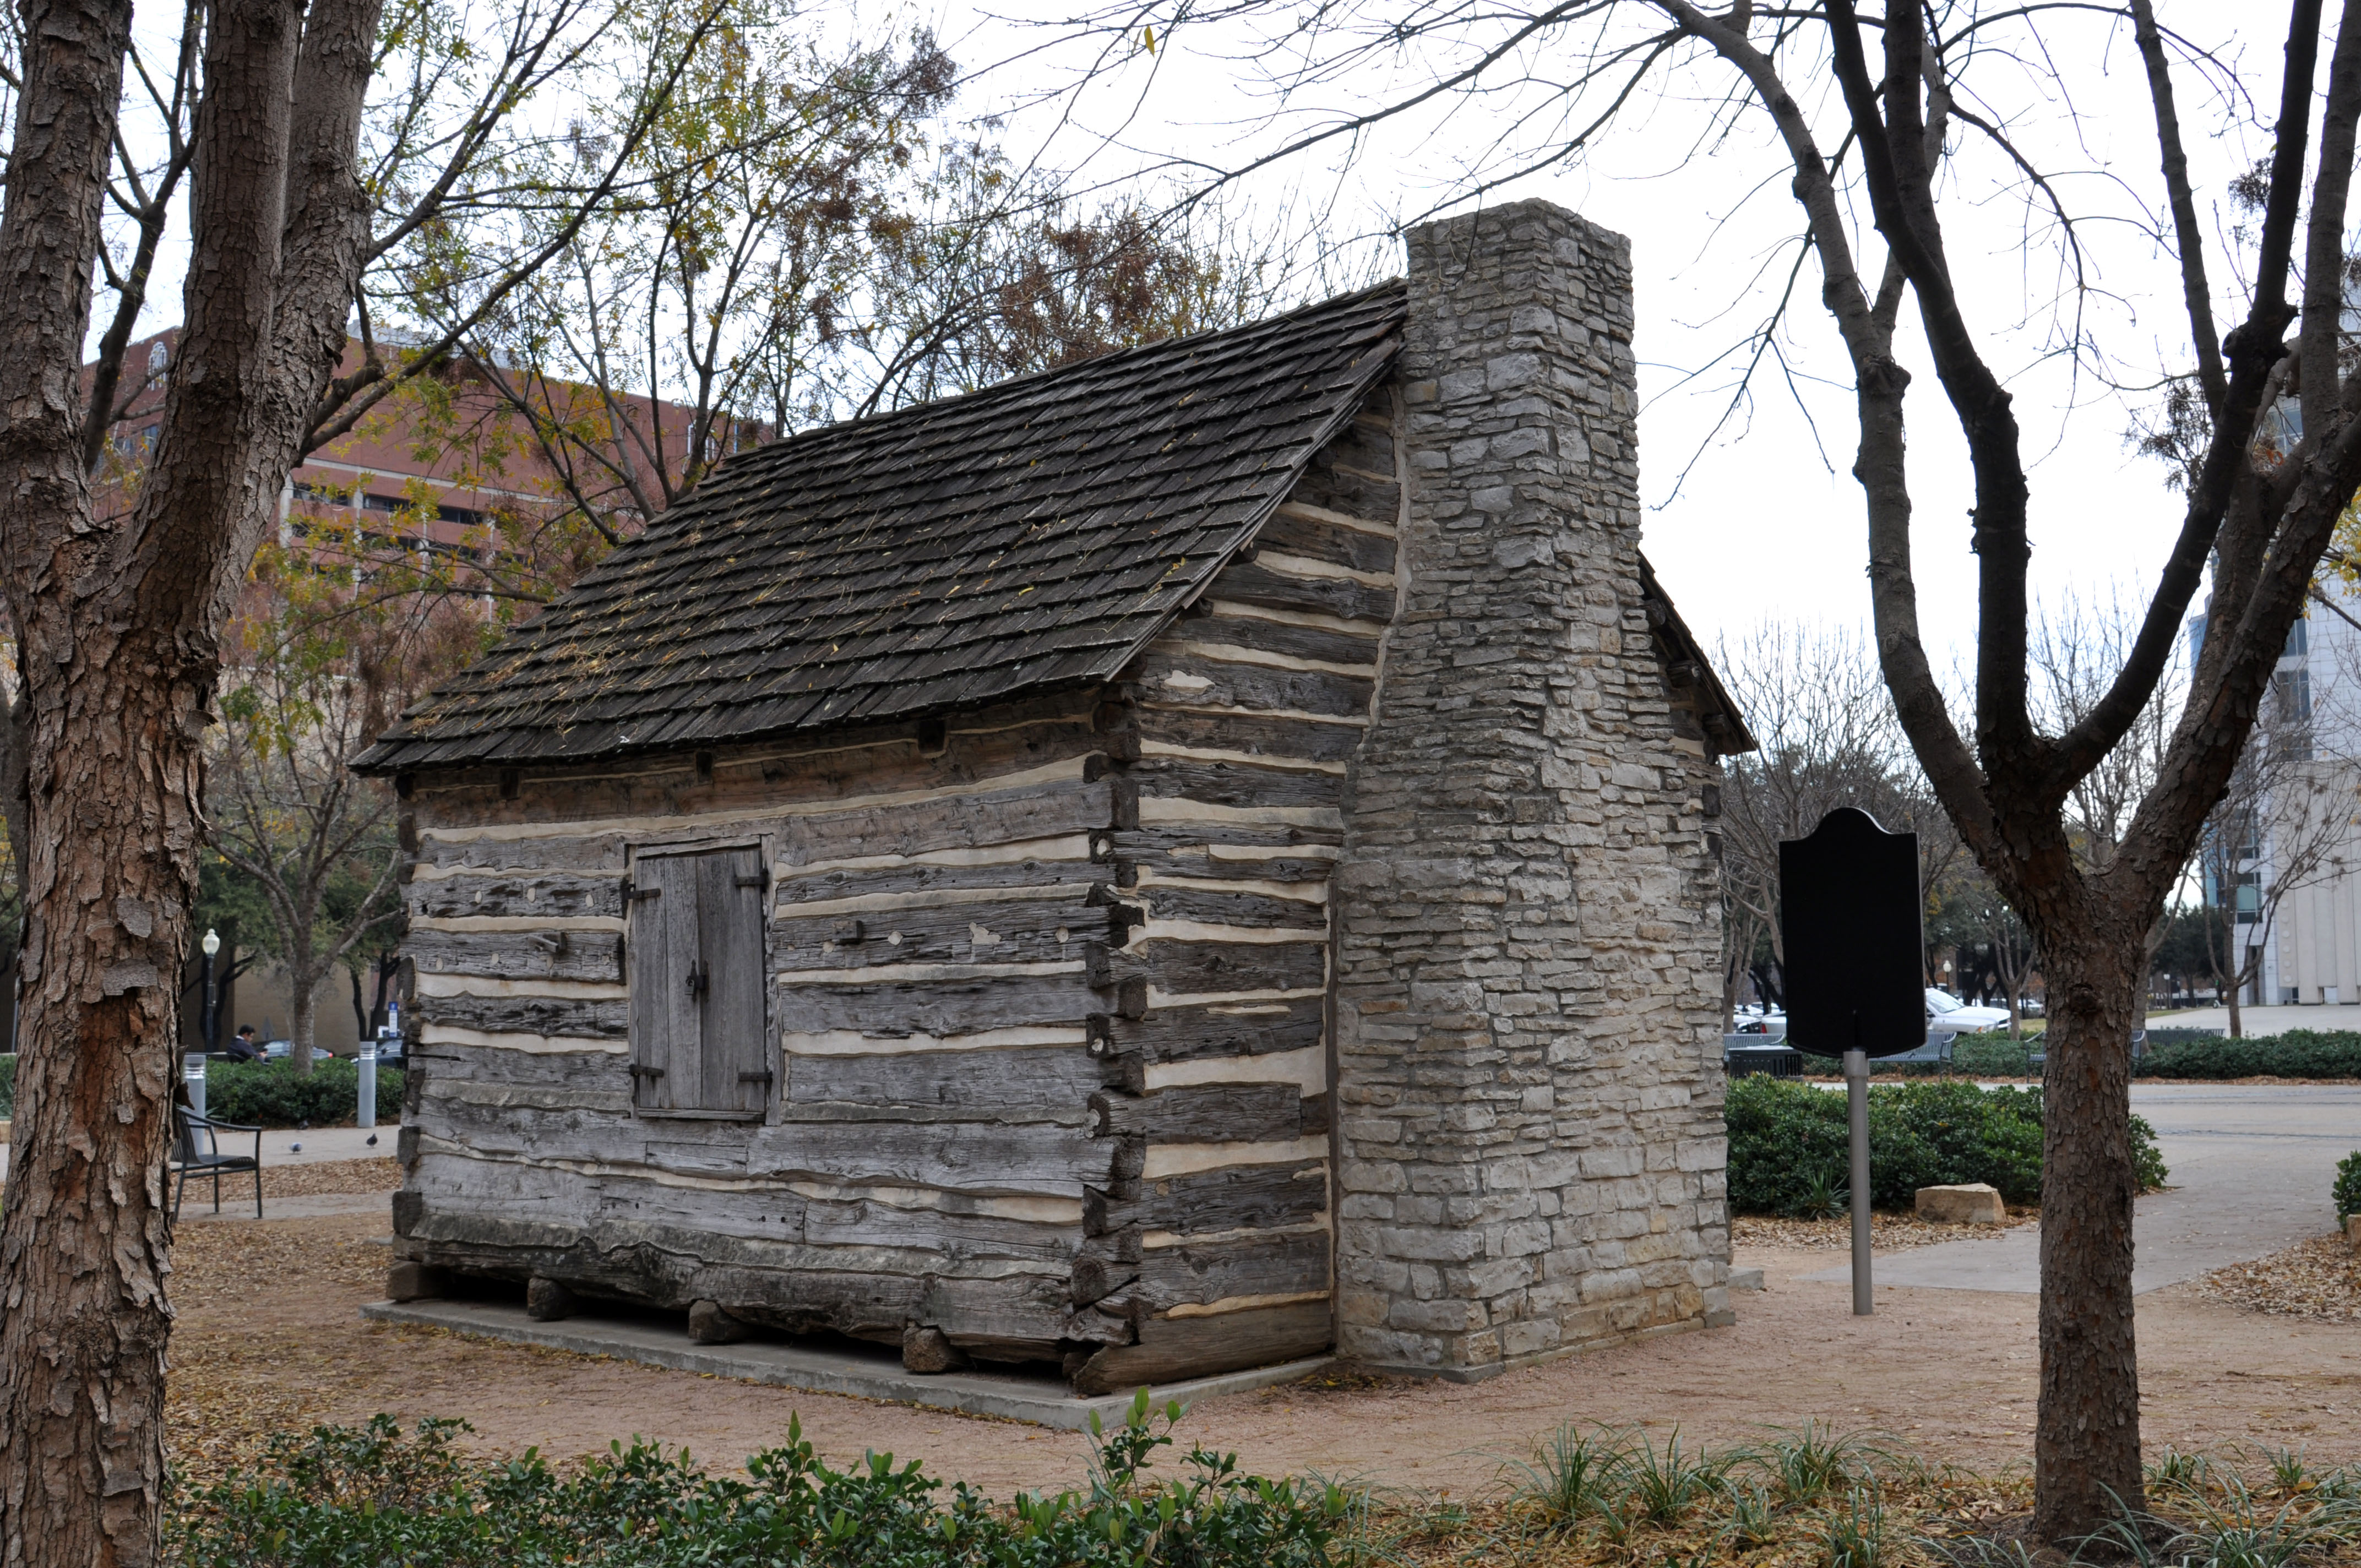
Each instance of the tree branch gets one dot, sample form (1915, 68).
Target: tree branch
(2195, 292)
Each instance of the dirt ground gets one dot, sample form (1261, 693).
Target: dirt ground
(269, 1337)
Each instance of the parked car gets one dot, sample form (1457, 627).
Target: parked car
(279, 1050)
(1948, 1014)
(1759, 1021)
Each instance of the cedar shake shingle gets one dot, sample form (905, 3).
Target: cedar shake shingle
(1032, 535)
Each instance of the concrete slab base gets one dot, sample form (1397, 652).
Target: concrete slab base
(1746, 1280)
(834, 1368)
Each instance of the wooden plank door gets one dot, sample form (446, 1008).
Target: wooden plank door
(730, 892)
(668, 1040)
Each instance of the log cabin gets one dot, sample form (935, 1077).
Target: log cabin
(1184, 862)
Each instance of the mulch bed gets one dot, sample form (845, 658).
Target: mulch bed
(382, 1175)
(237, 1373)
(1887, 1233)
(2319, 1278)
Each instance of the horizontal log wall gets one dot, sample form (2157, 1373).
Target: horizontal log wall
(931, 1136)
(1214, 1238)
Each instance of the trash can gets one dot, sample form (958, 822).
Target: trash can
(193, 1075)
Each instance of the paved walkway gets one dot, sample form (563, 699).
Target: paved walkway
(320, 1145)
(2256, 1021)
(239, 1205)
(2250, 1167)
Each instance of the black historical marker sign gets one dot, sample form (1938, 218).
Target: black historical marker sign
(1848, 917)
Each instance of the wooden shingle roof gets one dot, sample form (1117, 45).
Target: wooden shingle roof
(1034, 535)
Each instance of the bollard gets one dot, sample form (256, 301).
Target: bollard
(367, 1083)
(192, 1075)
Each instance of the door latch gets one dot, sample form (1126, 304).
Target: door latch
(697, 976)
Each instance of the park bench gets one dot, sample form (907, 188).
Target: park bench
(1935, 1048)
(1743, 1054)
(2033, 1058)
(197, 1151)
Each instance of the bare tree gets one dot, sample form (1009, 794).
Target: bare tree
(1829, 739)
(2283, 826)
(2077, 648)
(288, 812)
(1890, 111)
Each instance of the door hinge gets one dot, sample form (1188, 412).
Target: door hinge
(641, 1070)
(763, 1078)
(757, 882)
(631, 892)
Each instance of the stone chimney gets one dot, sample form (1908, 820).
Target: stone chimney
(1531, 1153)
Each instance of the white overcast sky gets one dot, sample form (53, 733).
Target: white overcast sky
(1768, 521)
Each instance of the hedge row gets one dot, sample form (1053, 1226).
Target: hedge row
(1789, 1147)
(372, 1497)
(273, 1094)
(270, 1095)
(2299, 1053)
(2172, 1053)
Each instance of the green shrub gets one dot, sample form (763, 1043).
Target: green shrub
(7, 1085)
(2158, 1038)
(1789, 1145)
(2346, 1193)
(372, 1497)
(273, 1094)
(1993, 1056)
(2299, 1053)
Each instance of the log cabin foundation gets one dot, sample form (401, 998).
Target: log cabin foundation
(1154, 869)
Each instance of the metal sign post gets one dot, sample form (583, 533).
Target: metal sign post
(1856, 1073)
(1849, 921)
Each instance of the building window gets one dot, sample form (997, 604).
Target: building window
(158, 357)
(699, 1045)
(2293, 690)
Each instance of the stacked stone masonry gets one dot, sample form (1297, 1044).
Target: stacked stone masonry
(1530, 1143)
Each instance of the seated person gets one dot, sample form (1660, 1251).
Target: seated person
(246, 1046)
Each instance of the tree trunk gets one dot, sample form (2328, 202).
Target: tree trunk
(118, 615)
(304, 1000)
(2231, 989)
(110, 882)
(2086, 1446)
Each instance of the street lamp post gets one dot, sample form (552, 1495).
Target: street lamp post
(212, 1030)
(193, 1064)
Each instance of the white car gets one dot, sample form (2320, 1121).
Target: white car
(1949, 1015)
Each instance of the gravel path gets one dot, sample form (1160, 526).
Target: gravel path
(268, 1335)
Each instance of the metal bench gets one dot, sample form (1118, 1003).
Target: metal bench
(1936, 1049)
(2035, 1059)
(197, 1151)
(1743, 1054)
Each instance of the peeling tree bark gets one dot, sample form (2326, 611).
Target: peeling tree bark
(119, 611)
